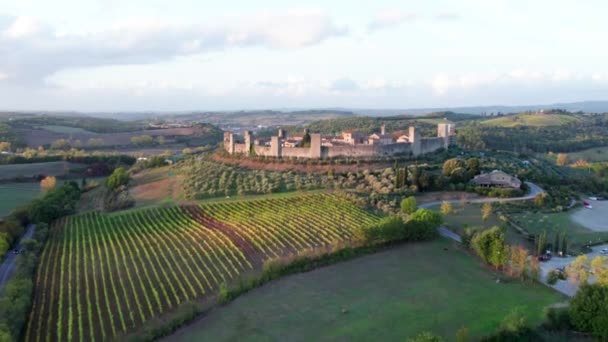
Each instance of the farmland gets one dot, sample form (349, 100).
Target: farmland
(105, 275)
(534, 120)
(58, 168)
(13, 195)
(387, 296)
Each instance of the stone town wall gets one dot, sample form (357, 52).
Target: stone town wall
(428, 145)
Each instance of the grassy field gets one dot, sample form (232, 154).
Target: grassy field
(536, 120)
(63, 129)
(103, 275)
(470, 215)
(578, 235)
(57, 168)
(13, 195)
(596, 154)
(387, 296)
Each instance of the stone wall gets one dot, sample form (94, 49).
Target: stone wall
(351, 151)
(428, 145)
(296, 152)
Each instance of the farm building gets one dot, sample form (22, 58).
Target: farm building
(497, 179)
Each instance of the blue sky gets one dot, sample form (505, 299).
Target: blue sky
(109, 55)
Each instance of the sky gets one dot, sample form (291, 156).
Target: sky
(153, 55)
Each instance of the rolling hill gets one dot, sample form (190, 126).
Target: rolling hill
(532, 120)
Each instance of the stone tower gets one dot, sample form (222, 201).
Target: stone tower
(445, 131)
(315, 145)
(383, 129)
(275, 147)
(248, 141)
(415, 140)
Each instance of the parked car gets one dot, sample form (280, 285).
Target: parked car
(16, 251)
(604, 251)
(544, 257)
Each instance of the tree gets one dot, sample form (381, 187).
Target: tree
(490, 246)
(142, 140)
(408, 205)
(451, 164)
(473, 166)
(161, 140)
(598, 266)
(305, 140)
(462, 335)
(118, 178)
(422, 225)
(562, 159)
(556, 241)
(95, 142)
(540, 199)
(519, 256)
(425, 337)
(541, 243)
(486, 211)
(446, 208)
(589, 310)
(5, 146)
(48, 183)
(60, 144)
(187, 150)
(576, 270)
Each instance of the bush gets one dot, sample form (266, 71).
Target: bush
(387, 229)
(558, 319)
(490, 246)
(422, 225)
(117, 179)
(554, 275)
(408, 205)
(589, 310)
(56, 203)
(425, 337)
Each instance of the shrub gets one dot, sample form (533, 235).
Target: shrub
(589, 310)
(408, 205)
(558, 319)
(491, 247)
(425, 337)
(118, 178)
(388, 229)
(422, 225)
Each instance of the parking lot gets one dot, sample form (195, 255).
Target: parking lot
(565, 286)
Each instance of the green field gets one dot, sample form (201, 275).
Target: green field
(386, 296)
(63, 129)
(578, 236)
(470, 215)
(536, 120)
(596, 154)
(57, 168)
(13, 195)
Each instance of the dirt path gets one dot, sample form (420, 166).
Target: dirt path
(8, 266)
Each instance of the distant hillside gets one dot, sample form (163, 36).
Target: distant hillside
(532, 120)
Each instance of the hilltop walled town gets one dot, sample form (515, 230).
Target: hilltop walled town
(349, 144)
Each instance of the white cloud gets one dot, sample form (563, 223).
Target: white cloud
(390, 18)
(33, 51)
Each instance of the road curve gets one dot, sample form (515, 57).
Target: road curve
(7, 267)
(534, 190)
(443, 231)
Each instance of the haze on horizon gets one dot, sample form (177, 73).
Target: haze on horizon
(109, 55)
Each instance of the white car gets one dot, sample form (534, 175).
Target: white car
(593, 198)
(604, 251)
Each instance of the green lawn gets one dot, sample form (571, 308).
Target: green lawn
(470, 215)
(578, 235)
(13, 195)
(389, 295)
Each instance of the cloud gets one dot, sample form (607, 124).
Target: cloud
(447, 16)
(390, 18)
(31, 50)
(344, 85)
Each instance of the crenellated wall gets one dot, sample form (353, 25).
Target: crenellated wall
(416, 146)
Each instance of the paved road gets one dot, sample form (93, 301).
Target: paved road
(7, 268)
(534, 190)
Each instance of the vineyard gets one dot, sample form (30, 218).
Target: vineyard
(105, 275)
